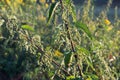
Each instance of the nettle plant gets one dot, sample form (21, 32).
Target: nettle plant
(18, 49)
(68, 51)
(69, 36)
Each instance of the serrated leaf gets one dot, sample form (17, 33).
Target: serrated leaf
(27, 27)
(67, 58)
(73, 13)
(52, 10)
(83, 27)
(87, 56)
(70, 78)
(67, 1)
(89, 62)
(84, 50)
(72, 9)
(73, 78)
(92, 76)
(89, 78)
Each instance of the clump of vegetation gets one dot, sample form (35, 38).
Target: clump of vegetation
(49, 41)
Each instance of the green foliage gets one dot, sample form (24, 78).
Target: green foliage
(68, 58)
(87, 57)
(83, 27)
(17, 54)
(27, 27)
(92, 77)
(52, 10)
(73, 78)
(74, 45)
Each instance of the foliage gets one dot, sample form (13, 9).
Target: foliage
(18, 49)
(42, 40)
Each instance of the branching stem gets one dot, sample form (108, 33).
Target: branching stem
(71, 42)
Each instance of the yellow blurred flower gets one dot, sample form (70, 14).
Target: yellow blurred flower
(58, 53)
(118, 32)
(109, 28)
(107, 22)
(42, 1)
(15, 5)
(8, 2)
(42, 18)
(53, 1)
(19, 1)
(3, 9)
(46, 5)
(33, 1)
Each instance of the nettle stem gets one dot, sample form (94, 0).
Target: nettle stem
(53, 61)
(73, 48)
(71, 42)
(61, 4)
(69, 37)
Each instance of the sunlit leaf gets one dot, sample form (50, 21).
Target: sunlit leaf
(89, 62)
(73, 78)
(89, 78)
(83, 27)
(27, 27)
(92, 76)
(87, 55)
(73, 13)
(84, 50)
(67, 1)
(52, 10)
(70, 78)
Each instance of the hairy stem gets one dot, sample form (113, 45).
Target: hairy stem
(71, 42)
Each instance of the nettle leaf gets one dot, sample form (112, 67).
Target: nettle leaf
(27, 27)
(68, 58)
(52, 10)
(92, 76)
(67, 1)
(89, 62)
(72, 9)
(84, 50)
(70, 78)
(83, 27)
(86, 53)
(73, 78)
(73, 13)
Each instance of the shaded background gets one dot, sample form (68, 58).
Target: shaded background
(99, 2)
(100, 5)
